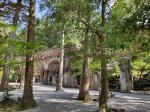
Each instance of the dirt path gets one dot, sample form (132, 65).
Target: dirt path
(50, 101)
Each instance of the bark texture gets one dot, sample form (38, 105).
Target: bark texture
(103, 97)
(6, 69)
(59, 82)
(84, 85)
(22, 78)
(28, 99)
(99, 82)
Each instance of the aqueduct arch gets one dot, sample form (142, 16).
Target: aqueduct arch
(50, 73)
(49, 68)
(49, 65)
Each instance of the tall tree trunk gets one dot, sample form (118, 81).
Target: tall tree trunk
(28, 99)
(103, 97)
(59, 83)
(126, 78)
(21, 77)
(99, 81)
(6, 69)
(84, 85)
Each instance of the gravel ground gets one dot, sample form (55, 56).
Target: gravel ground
(50, 101)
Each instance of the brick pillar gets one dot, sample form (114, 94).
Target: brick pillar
(126, 78)
(54, 79)
(48, 78)
(65, 79)
(45, 76)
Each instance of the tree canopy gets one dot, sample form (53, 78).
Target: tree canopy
(102, 30)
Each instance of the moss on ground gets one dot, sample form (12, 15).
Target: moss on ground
(11, 105)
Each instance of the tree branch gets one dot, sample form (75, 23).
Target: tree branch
(97, 32)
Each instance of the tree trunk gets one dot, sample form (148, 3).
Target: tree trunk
(21, 78)
(126, 78)
(84, 85)
(99, 81)
(6, 69)
(103, 97)
(59, 83)
(5, 76)
(28, 99)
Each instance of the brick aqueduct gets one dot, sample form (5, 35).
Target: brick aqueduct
(48, 66)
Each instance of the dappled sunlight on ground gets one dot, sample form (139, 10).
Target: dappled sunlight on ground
(130, 97)
(50, 101)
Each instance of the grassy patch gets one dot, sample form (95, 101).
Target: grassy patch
(11, 105)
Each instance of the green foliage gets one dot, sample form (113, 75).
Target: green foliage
(94, 65)
(74, 37)
(125, 24)
(141, 65)
(14, 76)
(45, 34)
(77, 66)
(6, 94)
(13, 28)
(3, 25)
(62, 15)
(1, 73)
(4, 34)
(75, 62)
(126, 28)
(19, 46)
(75, 59)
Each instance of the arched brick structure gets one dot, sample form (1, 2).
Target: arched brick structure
(49, 61)
(49, 67)
(46, 57)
